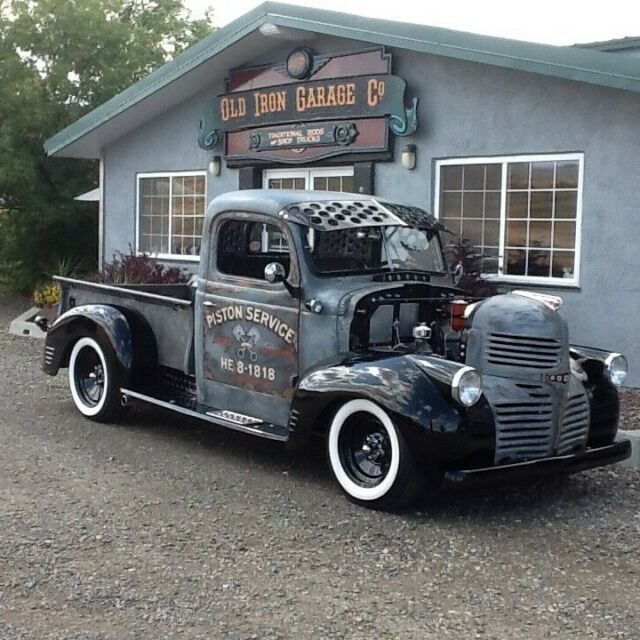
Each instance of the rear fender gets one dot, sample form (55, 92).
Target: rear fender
(128, 333)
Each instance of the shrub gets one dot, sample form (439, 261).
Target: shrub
(33, 241)
(461, 251)
(132, 268)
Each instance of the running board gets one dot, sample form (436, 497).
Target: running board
(221, 417)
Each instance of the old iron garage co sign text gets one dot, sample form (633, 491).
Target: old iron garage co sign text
(310, 107)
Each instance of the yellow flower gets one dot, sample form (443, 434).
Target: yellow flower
(47, 294)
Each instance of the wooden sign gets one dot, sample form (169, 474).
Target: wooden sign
(325, 97)
(297, 144)
(318, 134)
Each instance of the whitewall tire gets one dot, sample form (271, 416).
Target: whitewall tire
(369, 457)
(94, 379)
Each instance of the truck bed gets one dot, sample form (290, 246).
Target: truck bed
(168, 308)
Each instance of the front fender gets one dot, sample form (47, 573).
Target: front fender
(604, 401)
(420, 404)
(77, 322)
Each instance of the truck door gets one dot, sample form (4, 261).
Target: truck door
(249, 327)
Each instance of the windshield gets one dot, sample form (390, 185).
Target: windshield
(386, 248)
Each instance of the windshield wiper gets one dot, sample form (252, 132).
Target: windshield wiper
(386, 250)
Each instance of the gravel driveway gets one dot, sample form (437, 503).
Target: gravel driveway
(161, 528)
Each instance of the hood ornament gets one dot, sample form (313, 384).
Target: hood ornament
(552, 302)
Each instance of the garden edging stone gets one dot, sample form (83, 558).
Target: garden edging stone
(634, 461)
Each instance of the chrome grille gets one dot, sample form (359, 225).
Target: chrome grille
(575, 424)
(514, 350)
(524, 428)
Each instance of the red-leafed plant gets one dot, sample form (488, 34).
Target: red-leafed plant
(135, 268)
(462, 252)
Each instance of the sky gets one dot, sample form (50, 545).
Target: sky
(549, 21)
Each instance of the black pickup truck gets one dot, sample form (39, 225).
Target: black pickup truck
(334, 316)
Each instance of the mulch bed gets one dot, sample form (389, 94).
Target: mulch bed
(630, 409)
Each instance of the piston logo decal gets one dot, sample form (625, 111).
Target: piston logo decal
(248, 341)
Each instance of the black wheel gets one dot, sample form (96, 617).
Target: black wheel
(94, 379)
(370, 458)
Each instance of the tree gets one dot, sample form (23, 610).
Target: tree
(58, 60)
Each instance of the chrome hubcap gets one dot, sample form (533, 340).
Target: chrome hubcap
(374, 448)
(89, 377)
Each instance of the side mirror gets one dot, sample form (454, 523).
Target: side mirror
(457, 272)
(274, 272)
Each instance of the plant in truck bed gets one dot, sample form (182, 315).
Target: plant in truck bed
(132, 268)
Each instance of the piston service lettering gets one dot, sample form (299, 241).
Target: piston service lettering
(261, 317)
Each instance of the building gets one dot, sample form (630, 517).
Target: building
(627, 46)
(529, 150)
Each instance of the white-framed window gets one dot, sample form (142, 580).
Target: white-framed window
(170, 214)
(316, 179)
(522, 213)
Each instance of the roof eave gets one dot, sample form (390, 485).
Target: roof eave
(530, 57)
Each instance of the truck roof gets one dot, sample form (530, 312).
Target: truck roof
(324, 210)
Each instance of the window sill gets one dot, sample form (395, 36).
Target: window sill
(551, 283)
(171, 257)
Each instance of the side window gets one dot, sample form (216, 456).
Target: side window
(246, 247)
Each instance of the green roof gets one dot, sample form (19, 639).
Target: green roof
(570, 63)
(616, 45)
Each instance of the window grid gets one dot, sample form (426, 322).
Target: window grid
(330, 179)
(488, 242)
(342, 183)
(179, 205)
(286, 183)
(558, 250)
(555, 253)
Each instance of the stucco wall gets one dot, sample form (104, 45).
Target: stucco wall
(472, 110)
(466, 109)
(167, 143)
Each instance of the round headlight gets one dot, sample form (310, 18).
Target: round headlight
(466, 386)
(616, 367)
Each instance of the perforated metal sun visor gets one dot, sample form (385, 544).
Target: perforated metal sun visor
(328, 215)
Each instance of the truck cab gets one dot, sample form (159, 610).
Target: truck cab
(334, 318)
(305, 281)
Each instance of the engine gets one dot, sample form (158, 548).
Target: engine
(412, 318)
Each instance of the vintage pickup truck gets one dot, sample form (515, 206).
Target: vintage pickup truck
(334, 316)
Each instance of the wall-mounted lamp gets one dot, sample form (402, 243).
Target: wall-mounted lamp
(270, 30)
(215, 166)
(409, 157)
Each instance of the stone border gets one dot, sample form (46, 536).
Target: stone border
(634, 461)
(25, 326)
